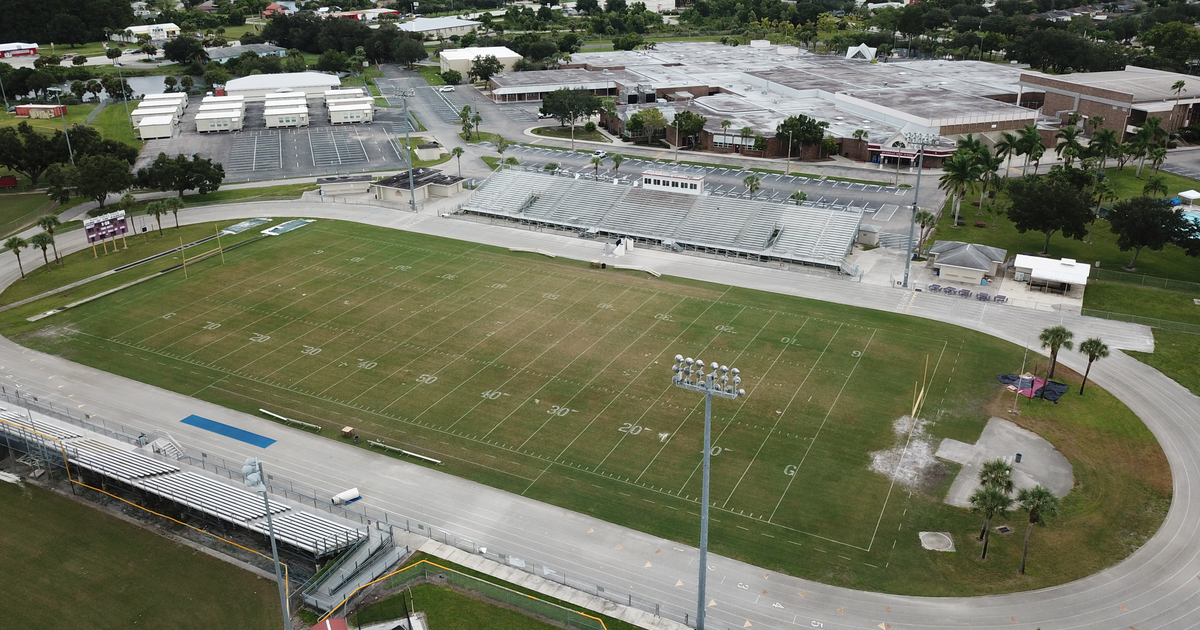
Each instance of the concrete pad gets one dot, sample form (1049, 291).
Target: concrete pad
(937, 541)
(1040, 463)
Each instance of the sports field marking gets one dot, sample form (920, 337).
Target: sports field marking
(511, 347)
(566, 365)
(596, 375)
(813, 441)
(778, 417)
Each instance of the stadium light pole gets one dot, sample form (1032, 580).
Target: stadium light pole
(690, 375)
(920, 139)
(256, 480)
(67, 134)
(405, 94)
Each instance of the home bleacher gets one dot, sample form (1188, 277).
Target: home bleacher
(743, 227)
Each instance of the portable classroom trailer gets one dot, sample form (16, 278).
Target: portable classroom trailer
(175, 107)
(288, 104)
(41, 111)
(283, 96)
(154, 127)
(342, 93)
(153, 112)
(339, 114)
(218, 121)
(221, 107)
(223, 99)
(289, 117)
(169, 96)
(362, 100)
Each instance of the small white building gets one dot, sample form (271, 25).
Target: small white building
(291, 103)
(439, 27)
(283, 95)
(155, 127)
(220, 107)
(175, 107)
(256, 86)
(360, 113)
(969, 263)
(291, 117)
(168, 30)
(218, 121)
(460, 58)
(18, 49)
(362, 100)
(209, 100)
(178, 97)
(333, 95)
(673, 182)
(1047, 274)
(153, 112)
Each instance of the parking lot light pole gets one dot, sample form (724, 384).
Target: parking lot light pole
(723, 382)
(920, 139)
(255, 480)
(58, 97)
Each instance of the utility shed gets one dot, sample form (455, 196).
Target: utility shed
(966, 262)
(154, 127)
(40, 111)
(1047, 274)
(291, 117)
(361, 113)
(219, 121)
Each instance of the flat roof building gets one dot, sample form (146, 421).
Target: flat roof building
(460, 58)
(224, 54)
(438, 28)
(166, 30)
(255, 87)
(1123, 98)
(18, 49)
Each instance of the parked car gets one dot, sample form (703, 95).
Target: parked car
(600, 154)
(446, 88)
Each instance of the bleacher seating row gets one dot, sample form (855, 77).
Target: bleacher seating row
(808, 234)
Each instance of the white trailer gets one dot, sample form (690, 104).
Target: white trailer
(290, 117)
(148, 112)
(347, 496)
(154, 127)
(218, 121)
(173, 106)
(342, 93)
(220, 107)
(288, 104)
(283, 96)
(362, 100)
(170, 96)
(223, 99)
(339, 114)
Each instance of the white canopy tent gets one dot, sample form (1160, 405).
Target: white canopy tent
(1190, 195)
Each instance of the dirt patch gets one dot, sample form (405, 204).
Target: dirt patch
(910, 462)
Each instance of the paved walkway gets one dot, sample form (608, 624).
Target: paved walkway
(1157, 587)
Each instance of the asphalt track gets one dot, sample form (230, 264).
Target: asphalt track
(1156, 587)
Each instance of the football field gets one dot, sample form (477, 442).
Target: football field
(551, 379)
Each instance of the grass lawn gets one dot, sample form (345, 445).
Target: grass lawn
(1174, 355)
(431, 74)
(76, 114)
(19, 210)
(81, 568)
(357, 81)
(565, 134)
(112, 123)
(282, 192)
(492, 162)
(1128, 186)
(482, 136)
(549, 379)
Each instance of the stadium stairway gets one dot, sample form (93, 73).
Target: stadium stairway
(355, 568)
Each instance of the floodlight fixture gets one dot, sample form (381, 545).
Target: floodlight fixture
(255, 479)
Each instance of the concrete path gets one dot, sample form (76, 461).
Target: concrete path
(1157, 587)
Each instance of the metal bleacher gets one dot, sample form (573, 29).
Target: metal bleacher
(300, 529)
(224, 501)
(809, 235)
(121, 464)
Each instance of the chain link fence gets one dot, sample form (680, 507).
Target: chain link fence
(1152, 322)
(1155, 282)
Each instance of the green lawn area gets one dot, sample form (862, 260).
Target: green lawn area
(81, 568)
(283, 192)
(1174, 355)
(18, 210)
(492, 162)
(76, 114)
(549, 379)
(357, 81)
(448, 609)
(565, 134)
(431, 74)
(113, 123)
(482, 136)
(1128, 186)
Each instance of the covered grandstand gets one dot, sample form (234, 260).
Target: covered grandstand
(755, 230)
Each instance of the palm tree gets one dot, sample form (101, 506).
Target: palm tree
(1126, 151)
(997, 473)
(926, 220)
(597, 162)
(752, 183)
(1104, 191)
(1105, 144)
(616, 158)
(970, 143)
(1036, 152)
(157, 209)
(1068, 138)
(1157, 156)
(1055, 338)
(1039, 503)
(799, 197)
(14, 245)
(457, 152)
(746, 133)
(860, 134)
(48, 223)
(725, 129)
(174, 204)
(1094, 348)
(476, 119)
(1142, 139)
(960, 173)
(1096, 123)
(988, 164)
(1178, 88)
(551, 167)
(1154, 185)
(1028, 141)
(42, 240)
(1006, 147)
(991, 502)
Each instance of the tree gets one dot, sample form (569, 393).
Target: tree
(926, 220)
(482, 68)
(1046, 205)
(187, 82)
(998, 473)
(959, 174)
(98, 176)
(409, 51)
(78, 88)
(551, 167)
(79, 60)
(48, 223)
(511, 161)
(114, 53)
(1104, 145)
(457, 152)
(1143, 222)
(43, 241)
(1029, 143)
(725, 129)
(181, 174)
(991, 502)
(597, 162)
(1039, 503)
(465, 119)
(148, 49)
(476, 119)
(94, 88)
(1056, 338)
(169, 83)
(1068, 146)
(24, 150)
(1155, 185)
(1094, 348)
(799, 197)
(987, 164)
(653, 121)
(616, 158)
(14, 245)
(333, 60)
(1178, 88)
(157, 209)
(501, 145)
(174, 205)
(452, 77)
(752, 183)
(688, 125)
(628, 41)
(798, 131)
(216, 76)
(185, 50)
(569, 106)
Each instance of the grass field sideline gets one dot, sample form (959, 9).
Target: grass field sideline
(538, 364)
(73, 566)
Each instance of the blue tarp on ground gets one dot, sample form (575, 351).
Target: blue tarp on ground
(1032, 387)
(228, 431)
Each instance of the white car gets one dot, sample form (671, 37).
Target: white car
(600, 154)
(446, 88)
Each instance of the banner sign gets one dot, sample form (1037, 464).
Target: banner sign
(106, 226)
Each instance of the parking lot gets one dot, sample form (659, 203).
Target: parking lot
(257, 153)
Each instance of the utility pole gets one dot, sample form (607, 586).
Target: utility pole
(920, 139)
(405, 94)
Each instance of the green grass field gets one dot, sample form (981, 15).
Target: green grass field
(19, 210)
(73, 566)
(564, 133)
(551, 380)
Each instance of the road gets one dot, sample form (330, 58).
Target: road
(1157, 587)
